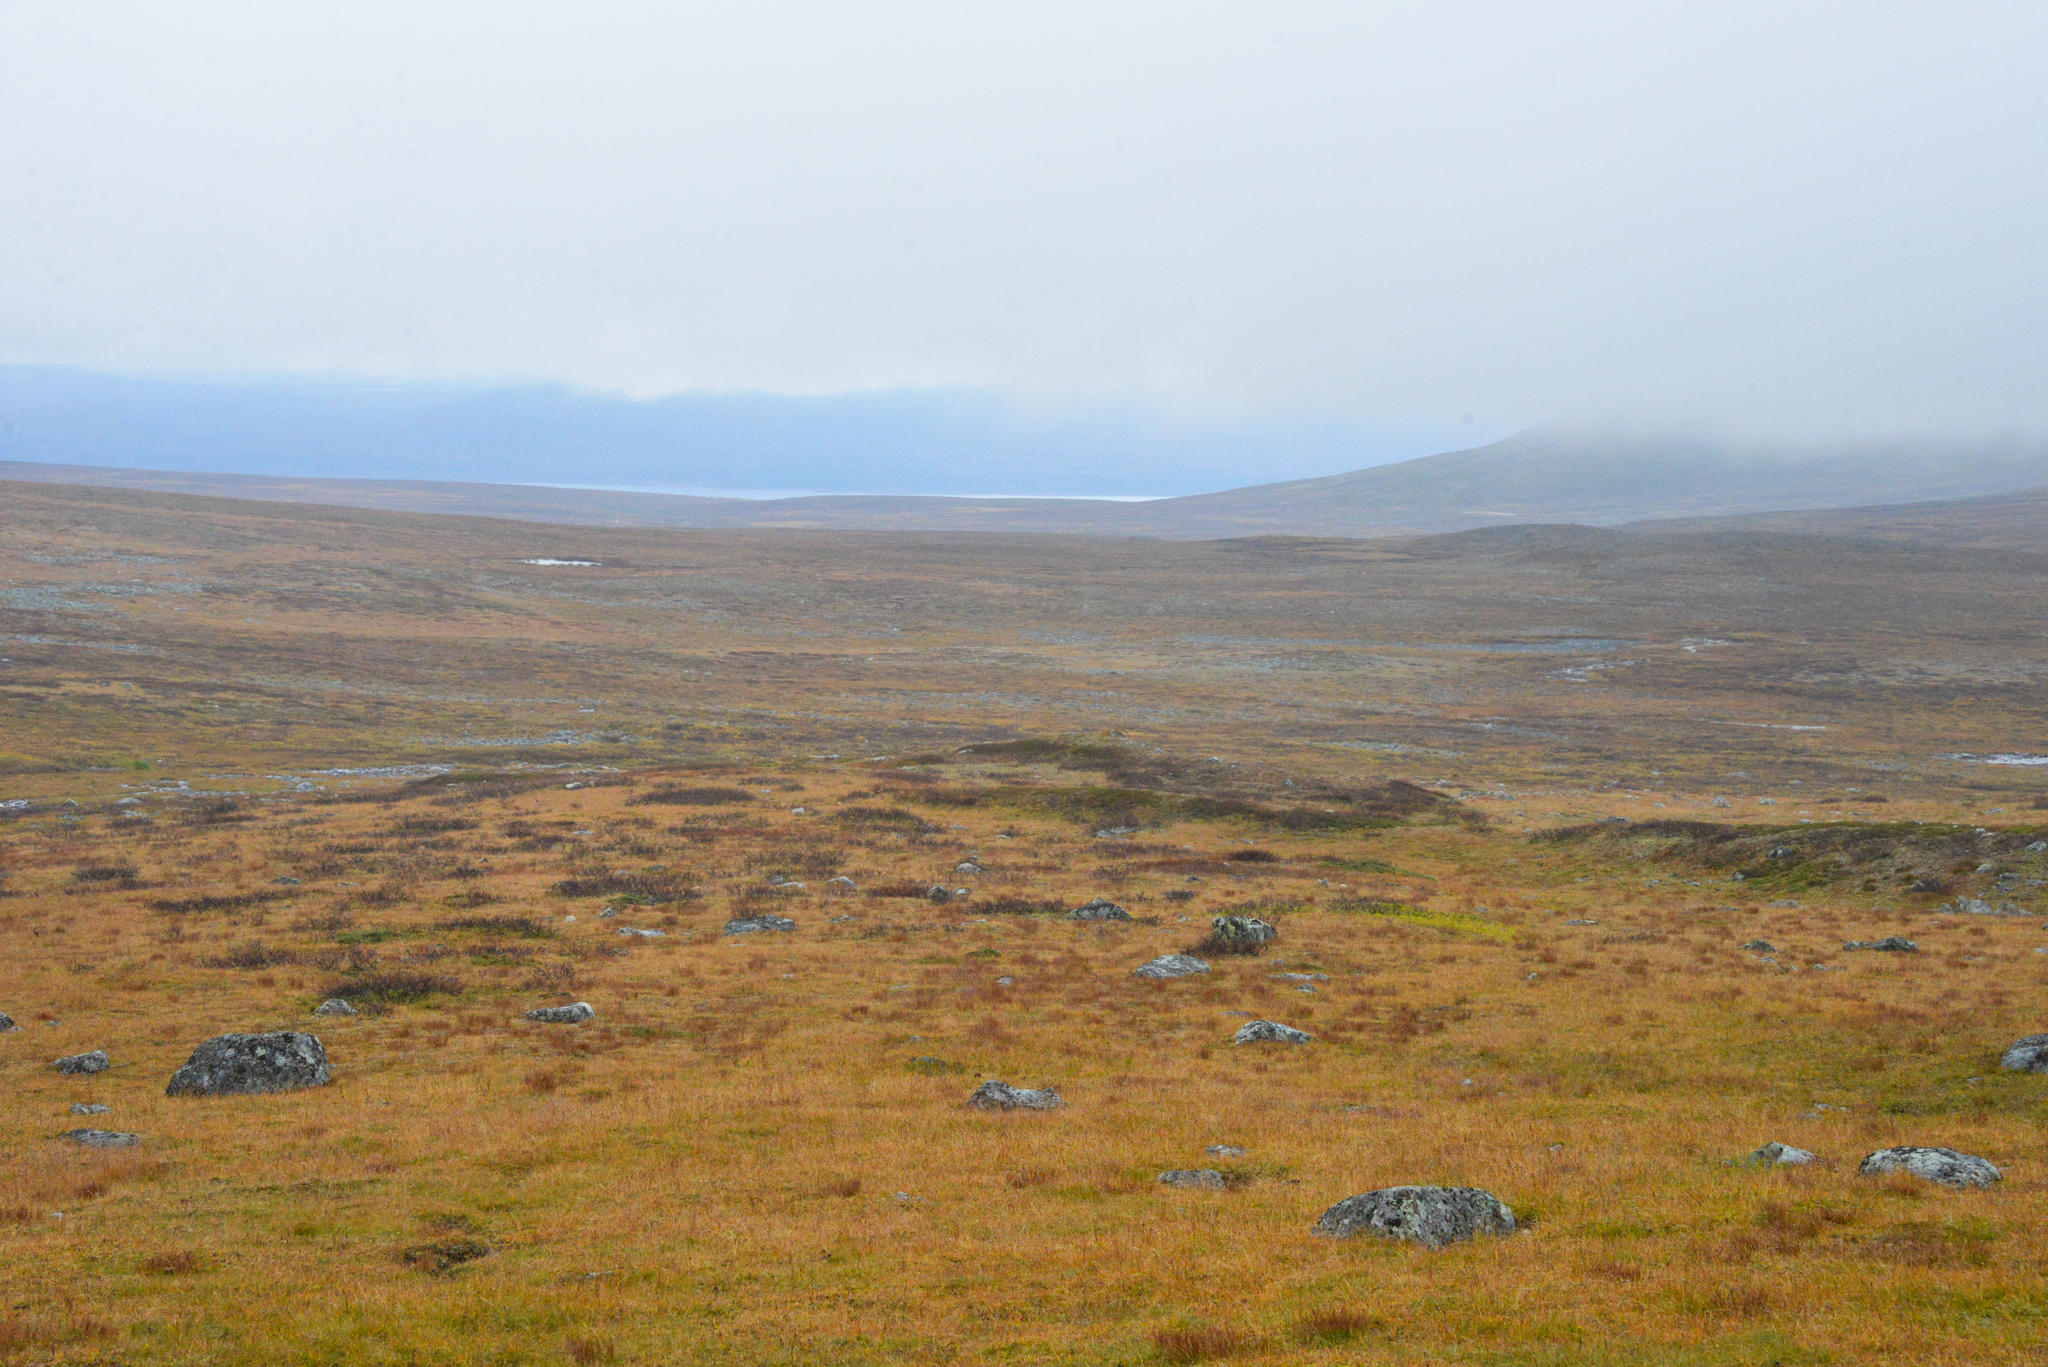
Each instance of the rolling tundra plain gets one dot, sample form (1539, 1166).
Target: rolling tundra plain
(1563, 833)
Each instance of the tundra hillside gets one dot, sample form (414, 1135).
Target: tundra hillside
(1563, 836)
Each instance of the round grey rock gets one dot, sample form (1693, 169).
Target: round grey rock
(76, 1064)
(1001, 1096)
(2028, 1054)
(1430, 1216)
(1247, 932)
(7, 1023)
(575, 1013)
(334, 1006)
(1943, 1166)
(1779, 1155)
(103, 1139)
(1171, 966)
(236, 1065)
(1197, 1179)
(751, 925)
(1269, 1032)
(1098, 909)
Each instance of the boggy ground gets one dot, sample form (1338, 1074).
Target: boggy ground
(759, 1151)
(1635, 753)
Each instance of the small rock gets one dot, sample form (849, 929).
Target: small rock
(1943, 1166)
(1301, 977)
(841, 884)
(7, 1023)
(1581, 921)
(788, 885)
(968, 867)
(1775, 1154)
(575, 1013)
(89, 1108)
(1246, 932)
(939, 893)
(286, 881)
(1224, 1151)
(642, 934)
(1001, 1096)
(1760, 946)
(1171, 966)
(1890, 944)
(1006, 982)
(334, 1006)
(103, 1139)
(1430, 1216)
(608, 913)
(749, 925)
(2028, 1054)
(2038, 847)
(1198, 1179)
(1098, 909)
(237, 1065)
(75, 1064)
(1262, 1032)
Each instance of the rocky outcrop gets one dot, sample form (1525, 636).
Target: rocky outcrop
(1240, 934)
(1197, 1179)
(74, 1065)
(575, 1013)
(103, 1139)
(1001, 1096)
(1943, 1166)
(1430, 1216)
(235, 1065)
(1098, 909)
(1890, 944)
(754, 925)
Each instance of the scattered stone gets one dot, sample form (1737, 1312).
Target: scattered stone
(608, 913)
(1198, 1179)
(1943, 1166)
(2038, 847)
(1172, 966)
(285, 881)
(1241, 932)
(1001, 1096)
(103, 1139)
(334, 1006)
(1301, 977)
(939, 893)
(841, 884)
(1098, 909)
(74, 1064)
(1224, 1151)
(787, 885)
(575, 1013)
(89, 1108)
(749, 925)
(969, 867)
(7, 1023)
(1264, 1032)
(1581, 921)
(1779, 1155)
(1006, 982)
(1430, 1216)
(1890, 944)
(642, 934)
(2028, 1054)
(234, 1065)
(1760, 946)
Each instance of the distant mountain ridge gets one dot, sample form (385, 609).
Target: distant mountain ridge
(1547, 475)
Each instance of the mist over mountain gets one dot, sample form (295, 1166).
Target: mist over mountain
(944, 441)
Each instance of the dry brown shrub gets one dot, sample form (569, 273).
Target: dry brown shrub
(175, 1263)
(588, 1348)
(1199, 1345)
(841, 1187)
(1336, 1326)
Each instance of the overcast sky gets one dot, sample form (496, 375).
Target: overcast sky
(1822, 216)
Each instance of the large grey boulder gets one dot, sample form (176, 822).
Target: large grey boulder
(1241, 933)
(1269, 1032)
(234, 1065)
(1172, 966)
(1944, 1166)
(103, 1139)
(1198, 1179)
(575, 1013)
(1001, 1096)
(2028, 1054)
(1098, 909)
(752, 925)
(1430, 1216)
(75, 1064)
(1776, 1155)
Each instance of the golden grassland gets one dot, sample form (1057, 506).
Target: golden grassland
(760, 1150)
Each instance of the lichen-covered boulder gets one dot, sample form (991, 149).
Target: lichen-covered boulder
(72, 1065)
(103, 1139)
(1001, 1096)
(2028, 1054)
(1172, 966)
(575, 1013)
(334, 1006)
(1241, 932)
(1098, 909)
(234, 1065)
(1430, 1216)
(1269, 1032)
(1776, 1155)
(753, 925)
(1197, 1179)
(1943, 1166)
